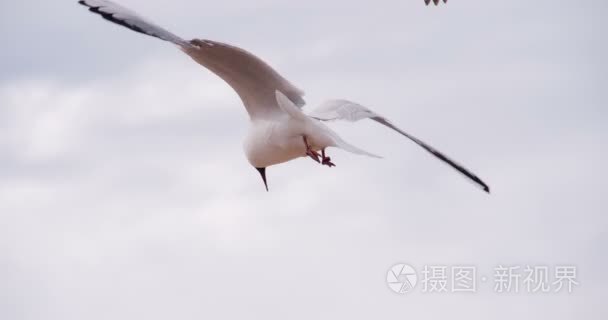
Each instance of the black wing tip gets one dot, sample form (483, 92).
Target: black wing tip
(475, 179)
(486, 189)
(110, 17)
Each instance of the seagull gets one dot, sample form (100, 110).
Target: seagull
(436, 2)
(279, 130)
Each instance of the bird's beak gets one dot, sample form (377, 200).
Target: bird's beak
(262, 172)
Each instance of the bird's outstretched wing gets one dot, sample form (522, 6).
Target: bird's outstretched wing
(120, 15)
(254, 80)
(436, 2)
(350, 111)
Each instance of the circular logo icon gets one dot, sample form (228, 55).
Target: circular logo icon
(401, 278)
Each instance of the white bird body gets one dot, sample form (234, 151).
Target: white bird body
(279, 138)
(279, 130)
(273, 141)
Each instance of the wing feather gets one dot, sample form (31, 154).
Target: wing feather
(122, 16)
(350, 111)
(253, 80)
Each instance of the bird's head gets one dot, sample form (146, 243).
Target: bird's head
(262, 172)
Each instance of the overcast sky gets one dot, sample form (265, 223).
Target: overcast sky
(124, 192)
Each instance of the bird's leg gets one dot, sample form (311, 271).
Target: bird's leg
(310, 152)
(326, 161)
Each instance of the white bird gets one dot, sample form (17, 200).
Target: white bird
(279, 131)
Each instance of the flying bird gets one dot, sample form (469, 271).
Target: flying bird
(436, 2)
(279, 130)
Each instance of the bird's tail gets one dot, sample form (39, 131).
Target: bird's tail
(339, 143)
